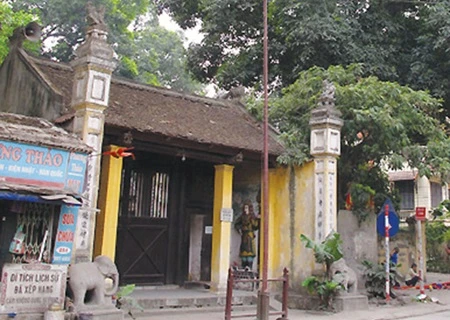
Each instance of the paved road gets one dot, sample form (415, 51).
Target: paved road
(435, 316)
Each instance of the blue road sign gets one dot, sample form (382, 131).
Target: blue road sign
(394, 221)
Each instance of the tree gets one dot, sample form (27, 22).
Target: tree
(302, 34)
(385, 126)
(145, 51)
(431, 55)
(64, 21)
(402, 41)
(9, 21)
(161, 59)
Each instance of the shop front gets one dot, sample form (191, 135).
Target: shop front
(42, 174)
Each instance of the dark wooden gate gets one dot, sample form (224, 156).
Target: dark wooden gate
(143, 242)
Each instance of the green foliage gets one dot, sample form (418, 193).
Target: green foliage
(442, 210)
(146, 52)
(325, 289)
(361, 196)
(10, 20)
(65, 21)
(124, 299)
(162, 59)
(375, 276)
(327, 251)
(402, 41)
(438, 235)
(125, 291)
(385, 126)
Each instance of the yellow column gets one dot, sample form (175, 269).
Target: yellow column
(222, 220)
(106, 225)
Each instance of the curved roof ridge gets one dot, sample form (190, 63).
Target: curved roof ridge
(140, 85)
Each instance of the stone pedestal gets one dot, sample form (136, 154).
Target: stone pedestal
(54, 315)
(101, 314)
(351, 302)
(302, 302)
(345, 302)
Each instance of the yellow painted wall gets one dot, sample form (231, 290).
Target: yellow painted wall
(292, 213)
(279, 208)
(302, 217)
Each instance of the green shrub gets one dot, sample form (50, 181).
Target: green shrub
(325, 289)
(375, 276)
(325, 252)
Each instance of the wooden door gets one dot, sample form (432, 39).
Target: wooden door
(205, 267)
(143, 233)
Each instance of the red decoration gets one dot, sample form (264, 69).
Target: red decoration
(348, 202)
(121, 152)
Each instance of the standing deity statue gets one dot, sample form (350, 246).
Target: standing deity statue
(247, 224)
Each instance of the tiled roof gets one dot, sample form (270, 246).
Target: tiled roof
(37, 131)
(168, 113)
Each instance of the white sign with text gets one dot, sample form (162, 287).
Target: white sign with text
(32, 287)
(226, 215)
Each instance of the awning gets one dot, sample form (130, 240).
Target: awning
(41, 198)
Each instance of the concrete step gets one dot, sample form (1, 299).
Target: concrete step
(177, 301)
(171, 312)
(170, 298)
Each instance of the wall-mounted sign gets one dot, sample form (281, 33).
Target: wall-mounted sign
(24, 164)
(32, 287)
(226, 214)
(208, 229)
(65, 235)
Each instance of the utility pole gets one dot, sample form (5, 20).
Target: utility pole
(263, 294)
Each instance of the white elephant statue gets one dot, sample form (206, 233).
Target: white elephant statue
(91, 277)
(341, 273)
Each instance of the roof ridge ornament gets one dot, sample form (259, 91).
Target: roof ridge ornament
(327, 98)
(95, 19)
(95, 16)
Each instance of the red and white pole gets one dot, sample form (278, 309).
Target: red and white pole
(419, 253)
(386, 244)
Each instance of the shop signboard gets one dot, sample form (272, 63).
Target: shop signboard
(65, 234)
(32, 287)
(31, 165)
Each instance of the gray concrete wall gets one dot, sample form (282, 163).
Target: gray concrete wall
(359, 241)
(406, 240)
(23, 91)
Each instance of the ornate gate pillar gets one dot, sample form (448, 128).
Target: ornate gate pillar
(93, 67)
(326, 127)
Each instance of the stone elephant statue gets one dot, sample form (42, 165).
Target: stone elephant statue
(90, 277)
(341, 273)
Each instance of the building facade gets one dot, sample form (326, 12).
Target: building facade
(174, 171)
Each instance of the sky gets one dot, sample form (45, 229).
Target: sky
(192, 35)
